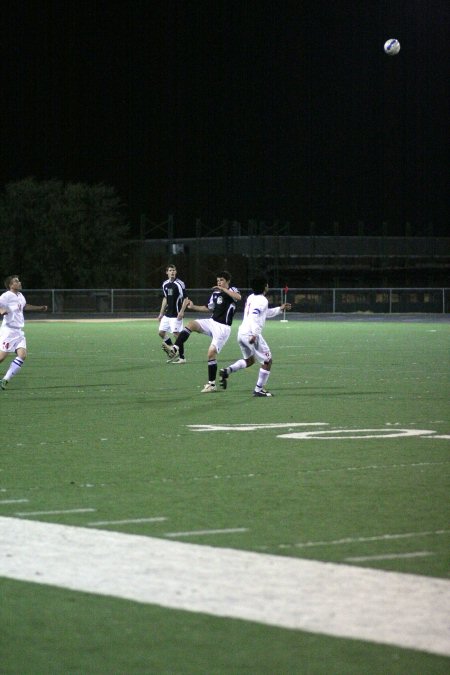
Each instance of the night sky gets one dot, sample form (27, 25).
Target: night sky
(235, 109)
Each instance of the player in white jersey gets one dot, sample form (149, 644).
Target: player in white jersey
(12, 337)
(250, 339)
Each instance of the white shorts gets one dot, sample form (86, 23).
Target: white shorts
(218, 331)
(259, 349)
(170, 324)
(12, 339)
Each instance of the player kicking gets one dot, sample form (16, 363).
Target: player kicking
(222, 304)
(253, 345)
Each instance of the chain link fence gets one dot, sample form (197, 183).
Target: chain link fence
(147, 301)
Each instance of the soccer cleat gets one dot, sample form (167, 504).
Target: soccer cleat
(208, 388)
(173, 352)
(177, 360)
(4, 384)
(261, 393)
(166, 348)
(223, 378)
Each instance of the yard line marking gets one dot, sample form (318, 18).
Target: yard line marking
(389, 556)
(253, 427)
(193, 533)
(323, 434)
(300, 472)
(157, 519)
(347, 601)
(388, 466)
(13, 501)
(52, 513)
(353, 540)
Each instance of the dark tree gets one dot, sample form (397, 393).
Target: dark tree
(63, 235)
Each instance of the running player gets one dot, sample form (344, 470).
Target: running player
(12, 337)
(250, 339)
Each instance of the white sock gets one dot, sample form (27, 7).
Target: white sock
(262, 379)
(14, 368)
(237, 366)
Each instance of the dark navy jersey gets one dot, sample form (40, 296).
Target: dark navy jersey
(174, 292)
(223, 306)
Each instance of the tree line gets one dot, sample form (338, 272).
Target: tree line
(63, 235)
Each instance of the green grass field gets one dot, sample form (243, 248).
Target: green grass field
(98, 428)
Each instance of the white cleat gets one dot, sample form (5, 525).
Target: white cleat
(173, 352)
(208, 388)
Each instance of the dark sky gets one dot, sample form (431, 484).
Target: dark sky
(233, 109)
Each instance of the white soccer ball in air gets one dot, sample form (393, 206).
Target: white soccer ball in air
(392, 47)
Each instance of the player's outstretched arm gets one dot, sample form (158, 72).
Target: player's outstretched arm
(36, 308)
(198, 308)
(276, 311)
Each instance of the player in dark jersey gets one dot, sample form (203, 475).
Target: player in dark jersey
(172, 310)
(222, 304)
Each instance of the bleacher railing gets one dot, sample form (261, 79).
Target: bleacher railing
(147, 301)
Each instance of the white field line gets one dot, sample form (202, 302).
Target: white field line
(194, 533)
(354, 540)
(324, 434)
(52, 513)
(253, 427)
(300, 472)
(13, 501)
(94, 320)
(405, 610)
(156, 519)
(389, 556)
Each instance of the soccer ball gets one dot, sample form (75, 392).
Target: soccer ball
(392, 47)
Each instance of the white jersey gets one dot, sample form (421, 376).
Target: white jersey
(255, 314)
(14, 304)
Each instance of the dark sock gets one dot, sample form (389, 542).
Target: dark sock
(212, 370)
(168, 341)
(181, 339)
